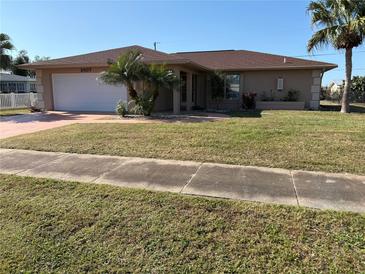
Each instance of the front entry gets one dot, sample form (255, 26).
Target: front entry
(183, 90)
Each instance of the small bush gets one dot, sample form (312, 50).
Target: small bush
(357, 93)
(293, 95)
(267, 98)
(249, 100)
(122, 108)
(142, 105)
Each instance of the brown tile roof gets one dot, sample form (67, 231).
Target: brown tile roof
(248, 60)
(206, 60)
(101, 58)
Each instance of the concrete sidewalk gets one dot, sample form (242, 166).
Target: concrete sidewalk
(269, 185)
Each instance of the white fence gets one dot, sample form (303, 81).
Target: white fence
(17, 100)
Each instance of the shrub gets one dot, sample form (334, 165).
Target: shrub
(293, 95)
(249, 100)
(358, 89)
(143, 104)
(122, 108)
(267, 98)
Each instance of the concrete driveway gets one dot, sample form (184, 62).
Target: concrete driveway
(28, 123)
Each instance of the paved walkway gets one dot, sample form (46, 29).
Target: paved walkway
(269, 185)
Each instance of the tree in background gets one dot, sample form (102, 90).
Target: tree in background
(358, 89)
(5, 47)
(342, 24)
(20, 59)
(23, 58)
(38, 58)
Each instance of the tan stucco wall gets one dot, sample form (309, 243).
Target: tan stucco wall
(266, 81)
(262, 82)
(251, 81)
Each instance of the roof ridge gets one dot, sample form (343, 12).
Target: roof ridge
(256, 52)
(199, 51)
(284, 56)
(101, 51)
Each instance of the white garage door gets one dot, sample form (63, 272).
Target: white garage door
(83, 92)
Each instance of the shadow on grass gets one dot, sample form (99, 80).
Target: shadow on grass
(246, 114)
(357, 108)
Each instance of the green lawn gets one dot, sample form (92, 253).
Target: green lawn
(324, 141)
(11, 112)
(54, 226)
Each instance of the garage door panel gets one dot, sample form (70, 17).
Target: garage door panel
(83, 92)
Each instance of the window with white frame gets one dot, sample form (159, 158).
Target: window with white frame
(280, 84)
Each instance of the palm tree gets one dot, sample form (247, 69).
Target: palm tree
(157, 77)
(126, 70)
(5, 45)
(342, 25)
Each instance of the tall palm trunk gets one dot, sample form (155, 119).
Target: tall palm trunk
(345, 106)
(132, 92)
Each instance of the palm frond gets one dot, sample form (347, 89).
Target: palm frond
(320, 14)
(322, 38)
(342, 22)
(160, 76)
(126, 69)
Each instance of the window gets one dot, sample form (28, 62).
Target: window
(183, 86)
(232, 86)
(12, 87)
(32, 87)
(194, 87)
(280, 85)
(4, 87)
(225, 86)
(20, 87)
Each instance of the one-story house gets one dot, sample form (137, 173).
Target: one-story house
(11, 83)
(71, 83)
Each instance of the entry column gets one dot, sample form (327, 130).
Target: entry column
(189, 91)
(176, 93)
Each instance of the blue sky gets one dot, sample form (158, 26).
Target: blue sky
(64, 28)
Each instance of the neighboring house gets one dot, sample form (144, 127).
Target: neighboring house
(16, 83)
(71, 83)
(336, 89)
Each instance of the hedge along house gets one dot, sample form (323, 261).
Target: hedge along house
(71, 83)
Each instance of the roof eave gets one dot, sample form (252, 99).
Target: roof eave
(324, 67)
(78, 65)
(51, 66)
